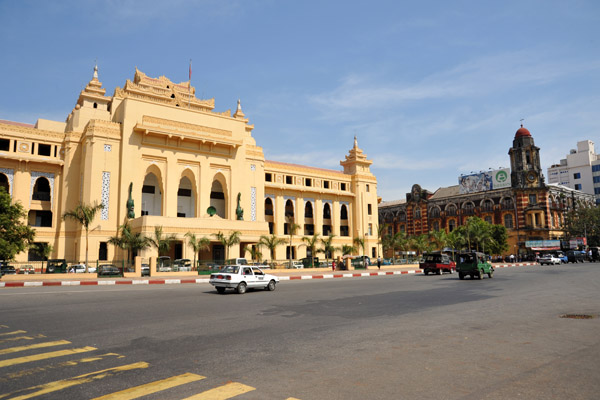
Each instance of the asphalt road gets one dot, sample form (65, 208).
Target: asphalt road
(392, 337)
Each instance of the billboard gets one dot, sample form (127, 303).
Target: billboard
(495, 179)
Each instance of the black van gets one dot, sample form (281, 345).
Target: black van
(575, 256)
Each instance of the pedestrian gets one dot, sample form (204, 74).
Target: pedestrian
(512, 258)
(378, 262)
(333, 265)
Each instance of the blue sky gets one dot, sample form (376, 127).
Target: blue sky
(432, 89)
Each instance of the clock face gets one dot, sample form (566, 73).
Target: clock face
(531, 176)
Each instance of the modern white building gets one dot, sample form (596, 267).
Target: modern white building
(579, 171)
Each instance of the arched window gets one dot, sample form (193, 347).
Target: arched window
(417, 213)
(487, 205)
(289, 209)
(41, 189)
(508, 221)
(468, 208)
(326, 211)
(436, 226)
(151, 196)
(401, 216)
(186, 206)
(451, 209)
(344, 212)
(434, 212)
(217, 199)
(268, 207)
(507, 203)
(451, 225)
(4, 183)
(308, 210)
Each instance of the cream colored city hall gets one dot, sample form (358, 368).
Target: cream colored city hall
(155, 155)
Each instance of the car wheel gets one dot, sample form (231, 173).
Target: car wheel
(480, 275)
(50, 270)
(271, 286)
(491, 274)
(451, 271)
(461, 276)
(241, 288)
(221, 290)
(426, 272)
(440, 271)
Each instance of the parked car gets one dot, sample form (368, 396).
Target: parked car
(575, 256)
(182, 265)
(437, 263)
(549, 259)
(164, 264)
(108, 269)
(80, 268)
(241, 277)
(6, 269)
(297, 264)
(236, 261)
(145, 269)
(57, 265)
(562, 256)
(26, 269)
(474, 264)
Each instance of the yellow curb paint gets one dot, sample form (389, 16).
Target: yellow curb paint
(34, 346)
(152, 387)
(12, 333)
(78, 380)
(44, 356)
(222, 392)
(22, 338)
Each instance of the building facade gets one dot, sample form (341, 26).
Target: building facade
(155, 155)
(530, 209)
(580, 170)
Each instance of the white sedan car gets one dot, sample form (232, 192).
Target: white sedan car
(549, 259)
(242, 277)
(80, 268)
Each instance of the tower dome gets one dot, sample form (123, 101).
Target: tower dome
(522, 132)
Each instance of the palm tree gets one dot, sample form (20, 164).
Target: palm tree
(228, 241)
(360, 242)
(197, 244)
(455, 240)
(292, 229)
(399, 240)
(271, 243)
(328, 248)
(311, 243)
(127, 240)
(381, 228)
(160, 241)
(420, 243)
(439, 238)
(255, 253)
(43, 250)
(84, 215)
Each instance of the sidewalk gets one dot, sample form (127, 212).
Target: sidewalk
(283, 274)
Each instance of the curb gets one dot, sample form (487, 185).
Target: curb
(205, 280)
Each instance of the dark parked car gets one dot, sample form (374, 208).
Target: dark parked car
(108, 269)
(58, 266)
(575, 256)
(6, 269)
(145, 269)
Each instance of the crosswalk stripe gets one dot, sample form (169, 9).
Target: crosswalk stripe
(222, 392)
(22, 338)
(34, 346)
(152, 387)
(44, 356)
(12, 333)
(55, 386)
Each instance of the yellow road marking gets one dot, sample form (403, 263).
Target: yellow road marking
(152, 387)
(78, 380)
(292, 398)
(70, 363)
(43, 356)
(34, 346)
(11, 333)
(222, 392)
(22, 338)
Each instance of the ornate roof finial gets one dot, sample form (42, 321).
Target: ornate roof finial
(239, 106)
(96, 70)
(522, 119)
(355, 142)
(239, 113)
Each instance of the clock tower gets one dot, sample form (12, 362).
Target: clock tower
(526, 169)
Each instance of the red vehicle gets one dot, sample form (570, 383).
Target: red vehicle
(437, 263)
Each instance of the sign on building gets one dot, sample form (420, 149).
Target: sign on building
(483, 181)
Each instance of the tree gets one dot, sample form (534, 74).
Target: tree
(499, 239)
(399, 241)
(255, 253)
(583, 222)
(84, 215)
(420, 243)
(311, 243)
(439, 238)
(381, 229)
(43, 250)
(455, 240)
(346, 249)
(359, 242)
(328, 248)
(127, 240)
(271, 243)
(161, 242)
(197, 244)
(292, 229)
(228, 241)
